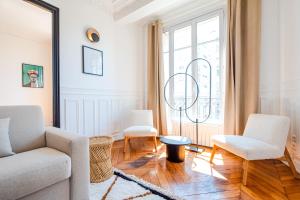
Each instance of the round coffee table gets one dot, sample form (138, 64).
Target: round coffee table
(175, 147)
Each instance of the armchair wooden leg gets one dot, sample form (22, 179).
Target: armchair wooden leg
(213, 153)
(155, 143)
(245, 171)
(126, 148)
(291, 164)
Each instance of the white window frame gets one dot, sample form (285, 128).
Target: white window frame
(193, 23)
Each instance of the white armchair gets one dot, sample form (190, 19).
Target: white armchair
(141, 125)
(264, 137)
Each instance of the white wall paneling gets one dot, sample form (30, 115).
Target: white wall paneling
(97, 112)
(280, 66)
(290, 106)
(71, 115)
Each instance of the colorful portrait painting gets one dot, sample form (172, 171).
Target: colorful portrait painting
(32, 76)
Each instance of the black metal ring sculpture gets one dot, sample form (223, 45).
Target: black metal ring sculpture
(187, 107)
(185, 96)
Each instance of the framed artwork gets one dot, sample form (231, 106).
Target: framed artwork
(92, 61)
(32, 76)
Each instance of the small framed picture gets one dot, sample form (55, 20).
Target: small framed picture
(32, 76)
(92, 61)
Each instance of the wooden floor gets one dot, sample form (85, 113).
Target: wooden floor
(197, 179)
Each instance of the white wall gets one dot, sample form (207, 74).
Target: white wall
(94, 105)
(14, 51)
(280, 65)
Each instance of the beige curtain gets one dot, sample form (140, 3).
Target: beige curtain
(242, 64)
(156, 77)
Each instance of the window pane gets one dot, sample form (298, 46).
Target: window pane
(208, 30)
(165, 39)
(179, 90)
(182, 58)
(210, 52)
(203, 79)
(166, 66)
(182, 37)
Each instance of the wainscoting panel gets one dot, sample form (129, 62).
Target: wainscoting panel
(104, 116)
(71, 117)
(290, 106)
(93, 112)
(286, 101)
(89, 116)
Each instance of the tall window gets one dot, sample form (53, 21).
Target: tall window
(198, 38)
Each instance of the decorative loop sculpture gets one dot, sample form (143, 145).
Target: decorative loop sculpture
(186, 106)
(185, 103)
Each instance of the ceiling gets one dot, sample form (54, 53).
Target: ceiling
(25, 20)
(22, 19)
(137, 10)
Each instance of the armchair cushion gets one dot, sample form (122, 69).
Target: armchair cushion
(246, 147)
(140, 131)
(77, 147)
(31, 171)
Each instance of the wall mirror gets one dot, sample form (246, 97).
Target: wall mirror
(29, 56)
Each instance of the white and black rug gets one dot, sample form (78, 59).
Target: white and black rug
(122, 186)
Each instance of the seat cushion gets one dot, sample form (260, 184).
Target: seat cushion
(140, 131)
(31, 171)
(246, 147)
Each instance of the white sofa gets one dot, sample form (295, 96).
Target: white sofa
(48, 164)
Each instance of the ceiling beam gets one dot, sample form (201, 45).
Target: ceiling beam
(140, 9)
(132, 10)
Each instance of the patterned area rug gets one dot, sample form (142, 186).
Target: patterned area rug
(122, 186)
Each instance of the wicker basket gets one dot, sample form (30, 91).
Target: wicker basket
(100, 158)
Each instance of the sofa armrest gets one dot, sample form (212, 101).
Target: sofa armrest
(77, 147)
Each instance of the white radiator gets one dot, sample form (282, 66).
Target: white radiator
(205, 131)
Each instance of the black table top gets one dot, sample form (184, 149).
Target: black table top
(175, 140)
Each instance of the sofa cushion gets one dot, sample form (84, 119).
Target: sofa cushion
(140, 131)
(5, 146)
(31, 171)
(246, 147)
(26, 127)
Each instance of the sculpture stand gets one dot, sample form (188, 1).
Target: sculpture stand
(191, 147)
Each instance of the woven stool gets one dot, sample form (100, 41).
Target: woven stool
(100, 158)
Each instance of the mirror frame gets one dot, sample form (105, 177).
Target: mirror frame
(55, 57)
